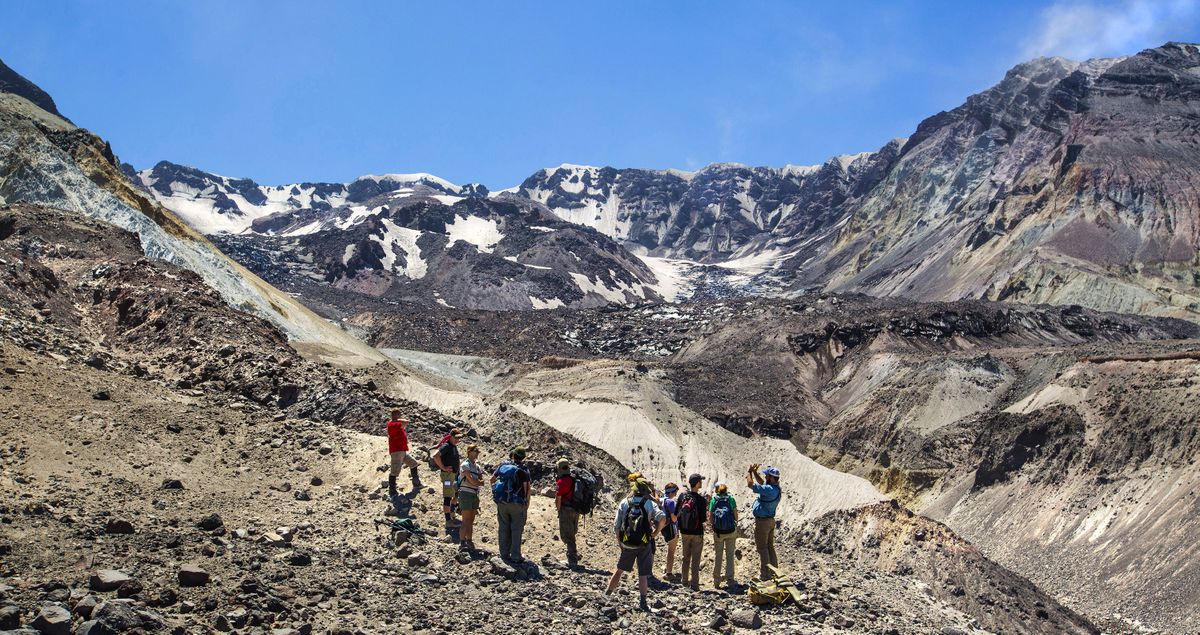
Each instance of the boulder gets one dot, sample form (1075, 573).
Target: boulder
(52, 620)
(108, 580)
(191, 575)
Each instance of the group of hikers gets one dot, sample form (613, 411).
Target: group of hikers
(680, 518)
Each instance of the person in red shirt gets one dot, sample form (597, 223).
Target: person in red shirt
(397, 431)
(568, 517)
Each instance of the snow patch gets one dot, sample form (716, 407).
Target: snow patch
(406, 240)
(484, 233)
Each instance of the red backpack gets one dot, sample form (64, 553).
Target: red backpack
(691, 512)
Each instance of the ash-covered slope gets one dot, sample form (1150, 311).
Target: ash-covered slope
(46, 160)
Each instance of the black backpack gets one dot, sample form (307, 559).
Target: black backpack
(635, 532)
(691, 512)
(583, 494)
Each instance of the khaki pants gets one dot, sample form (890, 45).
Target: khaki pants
(400, 460)
(724, 546)
(764, 542)
(568, 528)
(693, 546)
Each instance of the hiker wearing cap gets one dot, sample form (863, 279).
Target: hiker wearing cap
(692, 511)
(510, 489)
(447, 460)
(397, 432)
(763, 509)
(568, 516)
(670, 532)
(637, 523)
(723, 517)
(470, 478)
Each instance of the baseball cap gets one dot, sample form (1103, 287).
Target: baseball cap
(642, 485)
(518, 452)
(771, 471)
(563, 464)
(695, 478)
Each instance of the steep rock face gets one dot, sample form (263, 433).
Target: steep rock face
(212, 203)
(46, 160)
(1066, 183)
(720, 212)
(14, 83)
(473, 253)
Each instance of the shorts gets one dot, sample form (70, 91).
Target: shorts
(449, 488)
(400, 460)
(468, 500)
(644, 557)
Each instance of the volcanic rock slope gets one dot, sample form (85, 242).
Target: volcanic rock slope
(405, 236)
(46, 160)
(143, 411)
(172, 464)
(1059, 439)
(1066, 183)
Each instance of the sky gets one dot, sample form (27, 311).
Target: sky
(491, 92)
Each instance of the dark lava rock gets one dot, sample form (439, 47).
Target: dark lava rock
(53, 620)
(118, 526)
(210, 522)
(108, 580)
(191, 575)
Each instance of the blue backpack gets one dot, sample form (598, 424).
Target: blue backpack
(505, 490)
(722, 513)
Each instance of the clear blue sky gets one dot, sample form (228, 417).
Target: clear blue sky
(493, 91)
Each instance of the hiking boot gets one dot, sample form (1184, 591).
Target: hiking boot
(392, 486)
(416, 476)
(695, 586)
(643, 606)
(453, 522)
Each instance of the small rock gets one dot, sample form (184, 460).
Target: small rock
(118, 526)
(316, 480)
(210, 522)
(418, 560)
(101, 395)
(300, 559)
(10, 617)
(325, 448)
(53, 620)
(172, 483)
(84, 607)
(502, 568)
(117, 616)
(192, 575)
(108, 580)
(746, 618)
